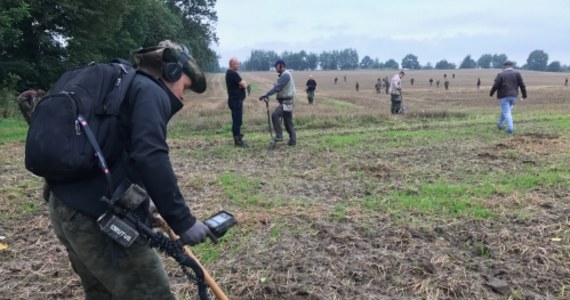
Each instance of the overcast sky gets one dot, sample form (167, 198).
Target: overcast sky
(431, 30)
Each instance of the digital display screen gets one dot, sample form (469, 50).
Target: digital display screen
(218, 219)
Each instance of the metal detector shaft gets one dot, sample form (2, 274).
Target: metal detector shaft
(209, 280)
(272, 141)
(269, 119)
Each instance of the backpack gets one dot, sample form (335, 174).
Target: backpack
(74, 128)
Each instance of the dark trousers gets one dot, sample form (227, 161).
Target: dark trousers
(236, 106)
(310, 96)
(396, 104)
(287, 117)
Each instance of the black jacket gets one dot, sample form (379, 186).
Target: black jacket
(311, 85)
(142, 129)
(507, 84)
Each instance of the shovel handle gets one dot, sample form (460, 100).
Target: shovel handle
(209, 280)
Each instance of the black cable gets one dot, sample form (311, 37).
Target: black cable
(172, 248)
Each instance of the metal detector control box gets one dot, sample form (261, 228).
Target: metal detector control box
(220, 223)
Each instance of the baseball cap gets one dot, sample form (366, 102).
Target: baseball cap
(280, 62)
(508, 64)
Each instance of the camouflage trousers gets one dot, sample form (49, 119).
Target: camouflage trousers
(107, 269)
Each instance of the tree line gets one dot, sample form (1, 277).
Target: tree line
(39, 40)
(347, 59)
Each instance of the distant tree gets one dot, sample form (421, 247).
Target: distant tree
(445, 65)
(428, 66)
(411, 62)
(554, 67)
(391, 64)
(485, 61)
(295, 61)
(377, 64)
(40, 39)
(9, 18)
(537, 60)
(260, 60)
(348, 59)
(468, 63)
(312, 61)
(329, 60)
(498, 60)
(366, 62)
(198, 26)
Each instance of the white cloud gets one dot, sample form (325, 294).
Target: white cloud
(432, 30)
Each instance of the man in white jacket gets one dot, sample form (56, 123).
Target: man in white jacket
(396, 92)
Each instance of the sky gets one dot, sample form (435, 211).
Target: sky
(432, 30)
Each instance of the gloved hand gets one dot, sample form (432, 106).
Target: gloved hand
(196, 234)
(264, 98)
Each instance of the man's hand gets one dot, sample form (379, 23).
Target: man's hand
(264, 98)
(196, 234)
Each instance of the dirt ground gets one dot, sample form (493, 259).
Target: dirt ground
(304, 231)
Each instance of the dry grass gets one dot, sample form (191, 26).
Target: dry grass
(340, 216)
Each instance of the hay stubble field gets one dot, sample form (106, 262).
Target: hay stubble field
(436, 204)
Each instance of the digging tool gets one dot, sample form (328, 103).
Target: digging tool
(403, 109)
(209, 280)
(272, 141)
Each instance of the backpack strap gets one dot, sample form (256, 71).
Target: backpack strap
(98, 152)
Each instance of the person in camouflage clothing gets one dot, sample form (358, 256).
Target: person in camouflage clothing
(27, 102)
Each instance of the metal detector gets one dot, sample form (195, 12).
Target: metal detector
(403, 109)
(272, 141)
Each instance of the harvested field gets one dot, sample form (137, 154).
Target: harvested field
(435, 204)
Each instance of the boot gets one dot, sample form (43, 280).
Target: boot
(238, 142)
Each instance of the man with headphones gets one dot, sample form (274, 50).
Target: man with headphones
(107, 269)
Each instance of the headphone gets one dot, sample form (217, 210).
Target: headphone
(172, 69)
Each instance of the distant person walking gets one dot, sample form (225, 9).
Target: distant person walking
(478, 82)
(431, 82)
(507, 84)
(396, 93)
(386, 85)
(566, 82)
(335, 80)
(248, 89)
(357, 86)
(453, 76)
(310, 88)
(437, 83)
(344, 78)
(446, 84)
(285, 90)
(412, 81)
(378, 86)
(236, 87)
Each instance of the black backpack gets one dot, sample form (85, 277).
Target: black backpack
(74, 128)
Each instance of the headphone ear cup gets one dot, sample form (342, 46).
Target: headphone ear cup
(171, 71)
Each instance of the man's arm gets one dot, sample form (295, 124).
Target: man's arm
(242, 84)
(521, 85)
(496, 85)
(237, 79)
(149, 152)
